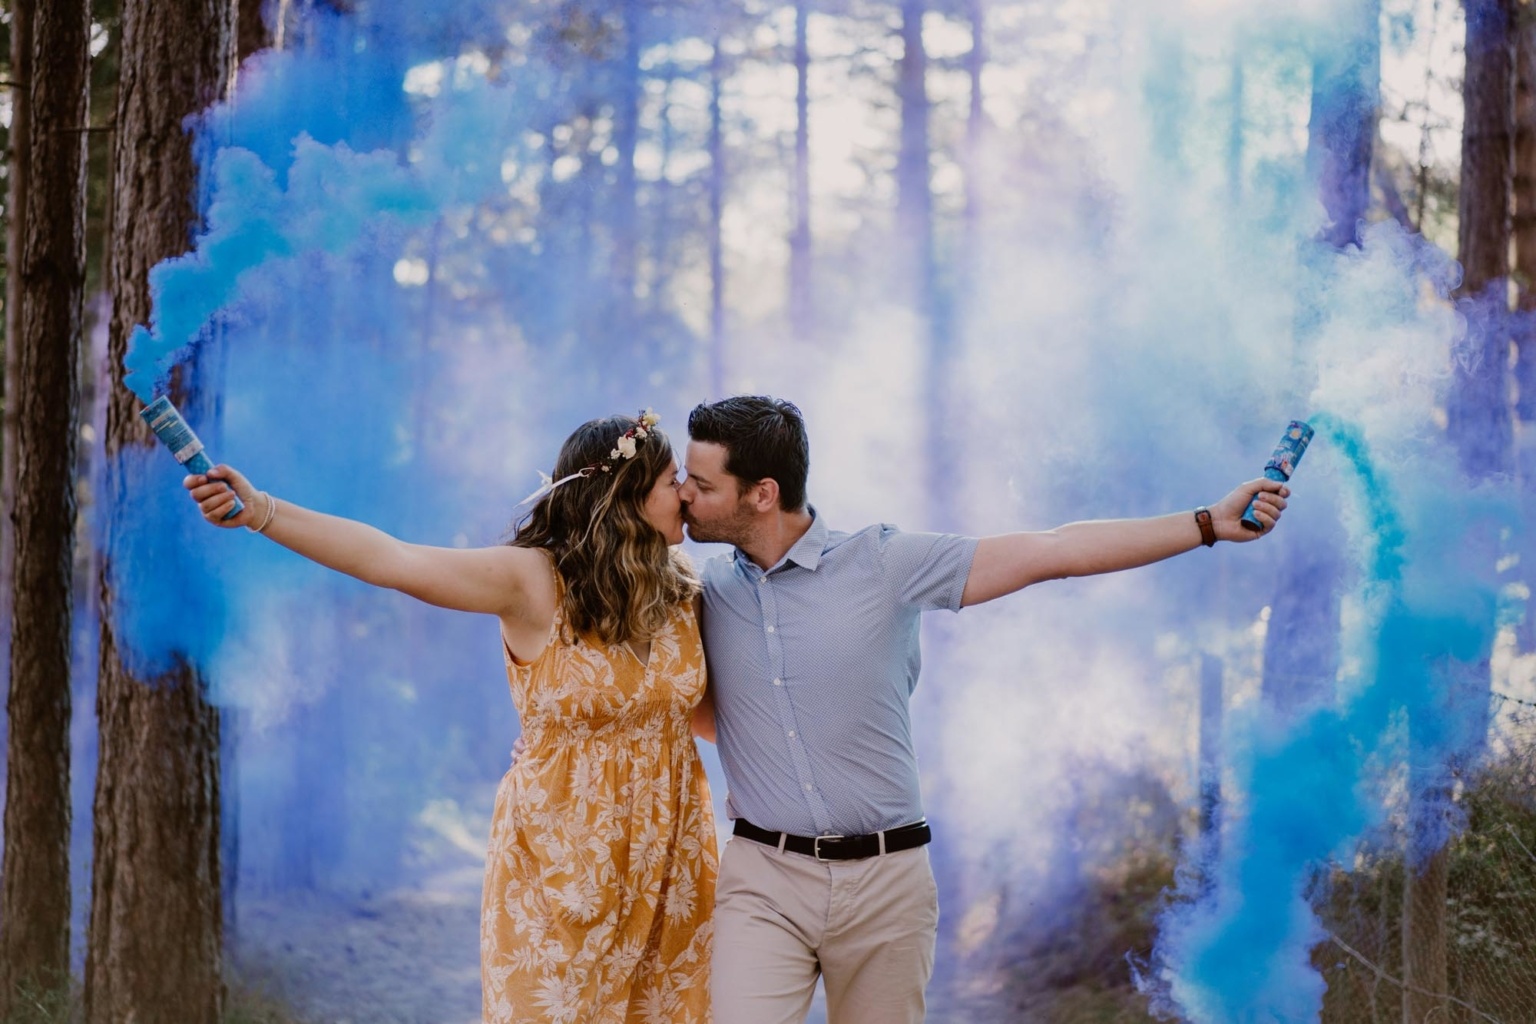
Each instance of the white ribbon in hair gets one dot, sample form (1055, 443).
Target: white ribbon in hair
(550, 484)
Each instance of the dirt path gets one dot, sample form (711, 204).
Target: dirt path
(411, 956)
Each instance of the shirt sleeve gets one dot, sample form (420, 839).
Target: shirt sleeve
(926, 570)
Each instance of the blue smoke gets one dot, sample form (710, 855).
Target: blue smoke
(1309, 793)
(393, 311)
(315, 316)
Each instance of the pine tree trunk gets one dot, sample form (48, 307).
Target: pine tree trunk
(1524, 230)
(1346, 89)
(917, 273)
(1478, 423)
(154, 948)
(626, 136)
(1524, 188)
(49, 271)
(716, 217)
(975, 118)
(914, 198)
(21, 12)
(1301, 647)
(251, 29)
(975, 127)
(1478, 410)
(800, 298)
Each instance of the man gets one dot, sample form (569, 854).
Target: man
(812, 641)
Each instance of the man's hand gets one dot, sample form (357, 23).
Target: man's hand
(1268, 498)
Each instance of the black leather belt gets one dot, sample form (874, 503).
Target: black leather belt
(892, 840)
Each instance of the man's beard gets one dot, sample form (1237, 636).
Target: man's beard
(732, 531)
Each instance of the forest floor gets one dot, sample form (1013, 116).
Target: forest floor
(409, 956)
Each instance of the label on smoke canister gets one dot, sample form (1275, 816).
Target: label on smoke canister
(184, 454)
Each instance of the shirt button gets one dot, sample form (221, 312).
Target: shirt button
(770, 629)
(791, 734)
(762, 579)
(778, 682)
(807, 787)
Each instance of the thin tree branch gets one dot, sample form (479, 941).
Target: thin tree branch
(1384, 976)
(1516, 837)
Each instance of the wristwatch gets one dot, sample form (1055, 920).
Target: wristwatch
(1207, 528)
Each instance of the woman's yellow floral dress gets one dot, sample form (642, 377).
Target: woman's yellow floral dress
(600, 880)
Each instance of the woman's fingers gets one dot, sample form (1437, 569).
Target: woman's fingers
(215, 493)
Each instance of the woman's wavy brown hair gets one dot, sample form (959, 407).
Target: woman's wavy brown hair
(621, 579)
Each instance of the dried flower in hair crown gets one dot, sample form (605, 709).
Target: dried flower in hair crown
(624, 448)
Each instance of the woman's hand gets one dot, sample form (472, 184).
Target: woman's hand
(215, 496)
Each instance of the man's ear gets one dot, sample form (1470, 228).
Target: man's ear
(764, 495)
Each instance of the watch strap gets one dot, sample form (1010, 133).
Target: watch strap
(1207, 527)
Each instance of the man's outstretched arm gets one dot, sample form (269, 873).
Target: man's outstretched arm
(1012, 561)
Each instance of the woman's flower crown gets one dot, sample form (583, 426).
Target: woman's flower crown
(624, 448)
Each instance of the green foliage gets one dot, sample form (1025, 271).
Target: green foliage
(1490, 922)
(63, 1004)
(245, 1005)
(1078, 970)
(49, 1004)
(1075, 968)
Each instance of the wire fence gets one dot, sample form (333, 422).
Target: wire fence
(1488, 942)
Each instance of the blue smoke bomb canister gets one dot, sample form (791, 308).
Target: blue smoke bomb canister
(1282, 463)
(166, 421)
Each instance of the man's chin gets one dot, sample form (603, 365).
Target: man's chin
(698, 534)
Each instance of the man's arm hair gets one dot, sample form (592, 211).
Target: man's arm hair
(1010, 562)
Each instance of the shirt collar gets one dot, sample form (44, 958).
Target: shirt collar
(805, 553)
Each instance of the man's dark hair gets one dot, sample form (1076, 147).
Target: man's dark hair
(764, 439)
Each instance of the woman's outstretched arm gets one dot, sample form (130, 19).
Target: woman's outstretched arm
(501, 581)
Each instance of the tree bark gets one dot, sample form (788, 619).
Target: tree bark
(154, 949)
(17, 138)
(1478, 409)
(1524, 230)
(800, 297)
(251, 29)
(1212, 714)
(1524, 223)
(49, 273)
(1478, 423)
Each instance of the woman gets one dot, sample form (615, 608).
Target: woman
(601, 872)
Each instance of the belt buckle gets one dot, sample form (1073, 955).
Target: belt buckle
(816, 846)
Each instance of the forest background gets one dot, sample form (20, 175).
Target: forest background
(1020, 262)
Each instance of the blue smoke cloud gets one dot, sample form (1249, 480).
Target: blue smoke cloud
(391, 302)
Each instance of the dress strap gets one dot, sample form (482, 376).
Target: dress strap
(554, 572)
(556, 624)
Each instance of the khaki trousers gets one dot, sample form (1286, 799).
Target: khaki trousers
(867, 927)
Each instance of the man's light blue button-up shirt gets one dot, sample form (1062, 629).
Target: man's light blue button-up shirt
(813, 663)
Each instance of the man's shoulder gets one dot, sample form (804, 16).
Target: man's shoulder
(865, 542)
(717, 567)
(864, 534)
